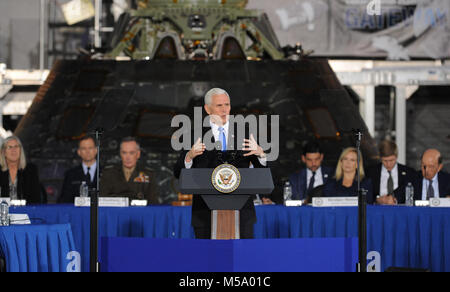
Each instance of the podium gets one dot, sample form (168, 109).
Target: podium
(225, 208)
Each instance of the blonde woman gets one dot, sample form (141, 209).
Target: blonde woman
(19, 180)
(345, 182)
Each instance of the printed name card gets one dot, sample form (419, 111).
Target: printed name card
(19, 219)
(102, 202)
(421, 203)
(139, 203)
(440, 202)
(13, 202)
(335, 202)
(293, 203)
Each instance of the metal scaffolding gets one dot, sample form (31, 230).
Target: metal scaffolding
(406, 77)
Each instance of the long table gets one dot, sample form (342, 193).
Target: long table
(416, 237)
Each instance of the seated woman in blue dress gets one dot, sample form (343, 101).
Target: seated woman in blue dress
(345, 182)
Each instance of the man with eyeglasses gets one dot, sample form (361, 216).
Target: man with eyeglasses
(433, 182)
(85, 172)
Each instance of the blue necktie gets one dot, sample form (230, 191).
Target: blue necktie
(222, 139)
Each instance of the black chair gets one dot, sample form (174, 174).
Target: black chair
(317, 192)
(43, 194)
(2, 265)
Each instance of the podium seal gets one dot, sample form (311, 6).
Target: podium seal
(226, 178)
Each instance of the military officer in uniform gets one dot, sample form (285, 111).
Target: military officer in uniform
(129, 179)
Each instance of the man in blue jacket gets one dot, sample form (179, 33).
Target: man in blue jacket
(314, 175)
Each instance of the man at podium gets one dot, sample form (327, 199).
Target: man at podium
(218, 107)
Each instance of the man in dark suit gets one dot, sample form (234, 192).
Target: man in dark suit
(390, 178)
(433, 182)
(218, 107)
(86, 171)
(313, 176)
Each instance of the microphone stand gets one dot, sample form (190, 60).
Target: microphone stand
(362, 215)
(93, 260)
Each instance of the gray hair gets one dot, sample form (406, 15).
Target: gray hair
(22, 161)
(215, 91)
(130, 139)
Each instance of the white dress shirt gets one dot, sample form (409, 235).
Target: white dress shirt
(384, 179)
(426, 183)
(318, 179)
(216, 133)
(92, 169)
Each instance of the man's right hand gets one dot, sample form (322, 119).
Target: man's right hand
(387, 200)
(195, 151)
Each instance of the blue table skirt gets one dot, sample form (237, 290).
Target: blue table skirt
(404, 236)
(36, 248)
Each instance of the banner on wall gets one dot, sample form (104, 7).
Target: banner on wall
(395, 29)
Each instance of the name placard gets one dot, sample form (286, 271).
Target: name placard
(13, 202)
(139, 203)
(19, 219)
(103, 202)
(335, 202)
(421, 203)
(293, 203)
(440, 202)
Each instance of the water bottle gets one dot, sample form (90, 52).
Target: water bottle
(409, 195)
(84, 190)
(13, 192)
(4, 214)
(287, 191)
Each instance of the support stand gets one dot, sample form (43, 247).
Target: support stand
(225, 224)
(94, 264)
(362, 215)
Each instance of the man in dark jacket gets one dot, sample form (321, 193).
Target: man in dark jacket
(390, 178)
(432, 181)
(85, 172)
(218, 106)
(313, 176)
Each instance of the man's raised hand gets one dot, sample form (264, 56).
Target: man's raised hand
(196, 150)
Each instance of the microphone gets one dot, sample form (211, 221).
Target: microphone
(218, 145)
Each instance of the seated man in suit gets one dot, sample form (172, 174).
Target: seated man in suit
(129, 179)
(86, 171)
(433, 182)
(311, 177)
(390, 178)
